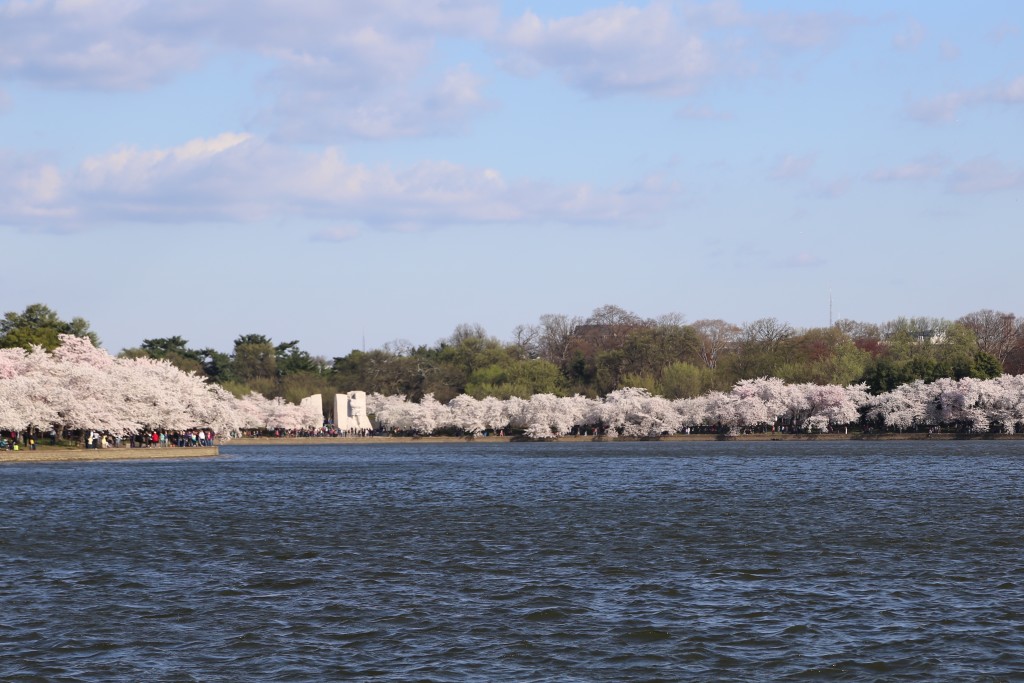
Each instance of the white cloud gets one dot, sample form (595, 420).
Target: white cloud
(346, 67)
(619, 48)
(30, 190)
(662, 48)
(89, 44)
(239, 178)
(342, 68)
(131, 44)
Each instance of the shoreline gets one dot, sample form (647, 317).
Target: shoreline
(769, 436)
(52, 454)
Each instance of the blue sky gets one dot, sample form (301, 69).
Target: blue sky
(348, 173)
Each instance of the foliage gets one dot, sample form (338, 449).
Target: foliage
(592, 356)
(38, 325)
(79, 386)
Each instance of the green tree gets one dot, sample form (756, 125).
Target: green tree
(39, 325)
(684, 380)
(173, 349)
(395, 369)
(765, 346)
(824, 355)
(456, 359)
(516, 377)
(924, 349)
(216, 365)
(254, 358)
(291, 359)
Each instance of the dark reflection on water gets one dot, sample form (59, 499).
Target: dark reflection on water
(531, 562)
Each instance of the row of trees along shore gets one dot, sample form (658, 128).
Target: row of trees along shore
(80, 387)
(611, 354)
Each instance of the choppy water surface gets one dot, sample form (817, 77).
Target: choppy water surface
(530, 562)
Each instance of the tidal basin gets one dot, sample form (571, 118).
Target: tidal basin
(521, 562)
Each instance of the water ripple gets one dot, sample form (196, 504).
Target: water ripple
(533, 562)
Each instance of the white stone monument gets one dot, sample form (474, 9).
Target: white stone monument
(350, 411)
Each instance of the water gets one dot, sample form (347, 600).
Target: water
(524, 562)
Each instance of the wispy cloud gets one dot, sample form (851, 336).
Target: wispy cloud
(318, 112)
(984, 175)
(947, 107)
(924, 169)
(981, 175)
(239, 178)
(788, 29)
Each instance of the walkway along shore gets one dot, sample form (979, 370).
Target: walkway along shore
(50, 454)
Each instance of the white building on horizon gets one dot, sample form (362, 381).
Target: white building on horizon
(350, 411)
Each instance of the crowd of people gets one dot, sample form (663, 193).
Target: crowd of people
(153, 439)
(328, 431)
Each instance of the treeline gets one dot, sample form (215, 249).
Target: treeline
(592, 356)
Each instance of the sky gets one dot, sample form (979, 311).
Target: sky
(349, 174)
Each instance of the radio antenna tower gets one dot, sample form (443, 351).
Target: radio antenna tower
(830, 308)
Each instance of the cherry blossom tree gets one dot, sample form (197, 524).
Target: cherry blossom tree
(79, 386)
(636, 413)
(431, 416)
(903, 408)
(494, 413)
(831, 405)
(467, 414)
(546, 416)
